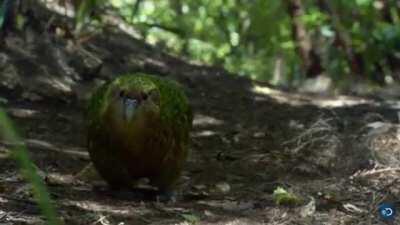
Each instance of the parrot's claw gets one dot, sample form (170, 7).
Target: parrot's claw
(167, 196)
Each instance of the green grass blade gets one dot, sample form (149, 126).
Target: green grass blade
(2, 13)
(28, 170)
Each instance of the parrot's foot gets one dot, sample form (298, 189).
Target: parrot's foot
(125, 194)
(166, 196)
(121, 193)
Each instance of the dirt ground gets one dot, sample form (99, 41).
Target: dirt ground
(339, 155)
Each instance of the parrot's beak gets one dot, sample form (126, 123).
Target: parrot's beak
(130, 106)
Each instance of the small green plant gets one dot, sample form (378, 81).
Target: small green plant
(283, 197)
(190, 218)
(28, 169)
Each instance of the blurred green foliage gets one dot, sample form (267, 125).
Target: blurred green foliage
(28, 169)
(5, 6)
(2, 14)
(255, 37)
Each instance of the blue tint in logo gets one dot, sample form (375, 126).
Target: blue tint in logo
(387, 211)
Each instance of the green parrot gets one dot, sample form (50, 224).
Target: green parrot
(138, 127)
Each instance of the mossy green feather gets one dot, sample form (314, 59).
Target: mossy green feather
(174, 103)
(170, 136)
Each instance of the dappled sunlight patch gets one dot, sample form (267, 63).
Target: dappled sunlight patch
(257, 89)
(35, 143)
(77, 152)
(204, 120)
(59, 179)
(44, 145)
(60, 84)
(341, 101)
(4, 155)
(22, 113)
(204, 133)
(280, 96)
(107, 207)
(65, 10)
(159, 63)
(395, 104)
(318, 100)
(4, 152)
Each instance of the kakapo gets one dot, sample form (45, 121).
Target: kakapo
(138, 127)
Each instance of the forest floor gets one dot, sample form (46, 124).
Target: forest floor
(339, 155)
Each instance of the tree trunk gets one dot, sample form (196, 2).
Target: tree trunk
(391, 60)
(343, 39)
(311, 62)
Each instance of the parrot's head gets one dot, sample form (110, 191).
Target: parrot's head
(132, 101)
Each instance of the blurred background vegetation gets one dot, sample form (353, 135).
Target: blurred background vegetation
(283, 42)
